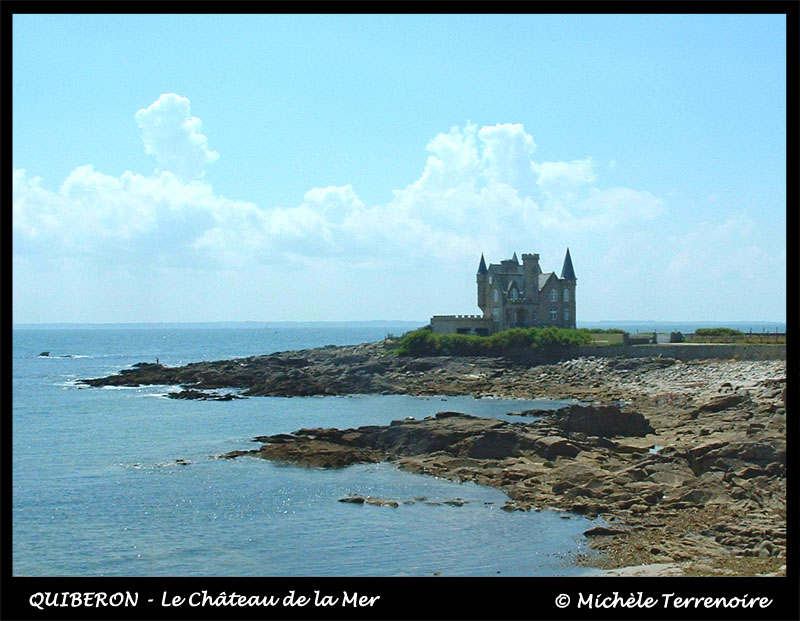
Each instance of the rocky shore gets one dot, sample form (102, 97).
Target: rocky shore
(683, 463)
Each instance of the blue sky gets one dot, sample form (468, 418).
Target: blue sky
(354, 167)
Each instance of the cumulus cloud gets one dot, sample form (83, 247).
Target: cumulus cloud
(507, 155)
(565, 176)
(175, 137)
(479, 190)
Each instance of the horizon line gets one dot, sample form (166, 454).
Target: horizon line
(358, 321)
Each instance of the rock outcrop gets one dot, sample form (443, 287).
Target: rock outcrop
(719, 502)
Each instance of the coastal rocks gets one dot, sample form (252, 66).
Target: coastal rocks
(539, 412)
(729, 456)
(306, 450)
(651, 570)
(602, 531)
(374, 368)
(551, 447)
(202, 396)
(687, 458)
(603, 421)
(716, 404)
(382, 502)
(639, 364)
(369, 500)
(141, 373)
(452, 433)
(719, 500)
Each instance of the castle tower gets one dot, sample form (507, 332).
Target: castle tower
(530, 272)
(568, 301)
(481, 280)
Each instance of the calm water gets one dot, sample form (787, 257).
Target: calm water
(97, 491)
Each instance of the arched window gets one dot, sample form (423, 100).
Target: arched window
(514, 294)
(495, 296)
(566, 295)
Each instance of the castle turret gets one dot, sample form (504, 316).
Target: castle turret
(481, 280)
(568, 276)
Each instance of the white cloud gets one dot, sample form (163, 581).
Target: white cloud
(480, 190)
(555, 177)
(507, 155)
(175, 137)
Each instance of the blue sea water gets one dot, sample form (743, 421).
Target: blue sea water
(97, 490)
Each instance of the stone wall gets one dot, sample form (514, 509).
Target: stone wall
(464, 324)
(686, 351)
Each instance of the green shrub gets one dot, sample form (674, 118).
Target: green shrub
(514, 341)
(417, 343)
(717, 332)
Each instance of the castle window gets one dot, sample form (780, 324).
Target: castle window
(553, 295)
(495, 296)
(566, 295)
(514, 294)
(566, 315)
(553, 314)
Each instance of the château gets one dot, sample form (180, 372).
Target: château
(516, 295)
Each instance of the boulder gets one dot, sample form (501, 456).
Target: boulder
(551, 447)
(733, 456)
(602, 531)
(356, 500)
(539, 411)
(717, 404)
(603, 421)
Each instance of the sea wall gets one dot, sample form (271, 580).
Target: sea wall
(689, 351)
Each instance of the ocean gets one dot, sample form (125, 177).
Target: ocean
(98, 488)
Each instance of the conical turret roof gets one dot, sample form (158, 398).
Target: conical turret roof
(482, 267)
(568, 272)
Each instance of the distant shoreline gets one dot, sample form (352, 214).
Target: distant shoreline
(629, 325)
(222, 325)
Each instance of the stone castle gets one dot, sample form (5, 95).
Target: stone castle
(514, 295)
